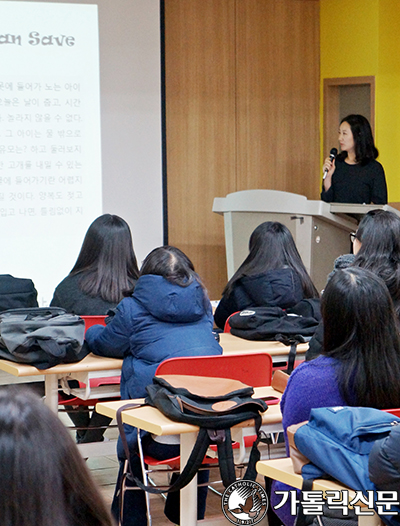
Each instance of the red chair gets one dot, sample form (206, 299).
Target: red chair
(93, 320)
(395, 412)
(94, 382)
(251, 368)
(89, 403)
(227, 327)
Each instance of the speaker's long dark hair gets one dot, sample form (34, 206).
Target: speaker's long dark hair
(272, 247)
(107, 262)
(364, 145)
(361, 332)
(43, 478)
(379, 234)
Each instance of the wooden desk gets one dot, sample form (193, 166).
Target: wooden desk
(279, 352)
(80, 371)
(150, 419)
(282, 469)
(90, 366)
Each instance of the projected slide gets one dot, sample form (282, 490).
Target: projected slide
(50, 151)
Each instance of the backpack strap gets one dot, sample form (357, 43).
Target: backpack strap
(292, 341)
(204, 438)
(223, 439)
(301, 518)
(192, 466)
(292, 356)
(251, 472)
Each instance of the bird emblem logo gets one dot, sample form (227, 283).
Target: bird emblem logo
(244, 502)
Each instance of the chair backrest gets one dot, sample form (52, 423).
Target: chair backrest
(93, 320)
(395, 412)
(227, 327)
(251, 368)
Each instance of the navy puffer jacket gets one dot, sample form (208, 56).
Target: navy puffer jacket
(159, 321)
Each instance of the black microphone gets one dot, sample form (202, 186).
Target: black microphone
(332, 155)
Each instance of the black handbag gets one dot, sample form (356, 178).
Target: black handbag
(42, 337)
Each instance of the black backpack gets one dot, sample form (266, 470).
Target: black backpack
(214, 414)
(264, 323)
(290, 326)
(42, 337)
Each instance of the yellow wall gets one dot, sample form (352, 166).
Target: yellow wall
(362, 38)
(388, 93)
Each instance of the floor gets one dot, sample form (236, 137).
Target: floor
(105, 469)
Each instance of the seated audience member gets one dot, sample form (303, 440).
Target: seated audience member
(16, 293)
(168, 315)
(384, 462)
(272, 275)
(360, 360)
(106, 267)
(376, 247)
(44, 480)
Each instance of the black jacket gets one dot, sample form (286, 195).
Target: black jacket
(16, 293)
(275, 288)
(384, 462)
(69, 296)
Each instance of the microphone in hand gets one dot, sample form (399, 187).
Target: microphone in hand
(332, 155)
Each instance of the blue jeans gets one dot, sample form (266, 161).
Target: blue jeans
(134, 501)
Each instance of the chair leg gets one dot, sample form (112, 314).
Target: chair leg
(211, 488)
(145, 477)
(122, 490)
(151, 481)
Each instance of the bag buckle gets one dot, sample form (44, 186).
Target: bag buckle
(217, 435)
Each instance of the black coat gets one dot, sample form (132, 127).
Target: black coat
(69, 296)
(275, 288)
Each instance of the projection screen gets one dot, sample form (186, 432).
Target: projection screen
(80, 130)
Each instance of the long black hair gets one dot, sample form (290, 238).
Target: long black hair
(44, 480)
(379, 234)
(364, 145)
(361, 332)
(272, 247)
(107, 262)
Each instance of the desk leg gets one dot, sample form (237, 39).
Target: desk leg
(189, 492)
(51, 391)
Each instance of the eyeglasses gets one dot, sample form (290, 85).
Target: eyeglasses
(353, 236)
